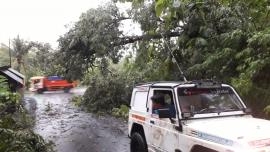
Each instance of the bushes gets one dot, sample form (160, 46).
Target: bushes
(15, 125)
(121, 112)
(255, 97)
(8, 101)
(77, 100)
(107, 92)
(21, 140)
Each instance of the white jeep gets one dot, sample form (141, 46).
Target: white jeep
(196, 116)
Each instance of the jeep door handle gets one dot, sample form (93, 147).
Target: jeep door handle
(152, 121)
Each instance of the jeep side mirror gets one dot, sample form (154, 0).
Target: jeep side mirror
(164, 113)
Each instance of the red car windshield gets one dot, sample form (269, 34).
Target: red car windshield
(208, 100)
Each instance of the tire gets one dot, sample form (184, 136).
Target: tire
(138, 143)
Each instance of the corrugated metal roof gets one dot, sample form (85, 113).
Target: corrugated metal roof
(12, 74)
(16, 72)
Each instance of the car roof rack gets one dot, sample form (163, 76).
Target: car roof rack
(177, 83)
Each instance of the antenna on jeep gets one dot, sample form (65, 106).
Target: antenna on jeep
(174, 59)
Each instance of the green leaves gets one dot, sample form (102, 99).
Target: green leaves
(24, 141)
(122, 112)
(224, 40)
(8, 101)
(107, 92)
(91, 39)
(4, 53)
(14, 124)
(161, 6)
(3, 84)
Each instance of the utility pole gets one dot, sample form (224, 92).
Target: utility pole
(9, 52)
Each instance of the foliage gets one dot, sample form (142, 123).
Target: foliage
(39, 58)
(93, 36)
(254, 71)
(4, 53)
(106, 92)
(20, 49)
(224, 40)
(22, 140)
(122, 112)
(30, 58)
(96, 38)
(15, 132)
(8, 101)
(77, 100)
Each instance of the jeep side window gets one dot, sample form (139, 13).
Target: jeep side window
(163, 99)
(158, 102)
(140, 97)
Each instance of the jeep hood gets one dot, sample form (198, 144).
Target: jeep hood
(231, 130)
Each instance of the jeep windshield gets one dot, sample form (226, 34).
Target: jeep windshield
(208, 100)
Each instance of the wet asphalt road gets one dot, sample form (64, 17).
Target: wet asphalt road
(73, 130)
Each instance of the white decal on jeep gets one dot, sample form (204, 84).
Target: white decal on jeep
(212, 138)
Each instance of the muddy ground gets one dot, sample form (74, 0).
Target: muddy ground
(73, 130)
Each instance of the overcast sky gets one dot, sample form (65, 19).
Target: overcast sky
(40, 20)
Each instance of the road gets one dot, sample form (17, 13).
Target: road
(73, 130)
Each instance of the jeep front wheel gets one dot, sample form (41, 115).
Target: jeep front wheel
(137, 143)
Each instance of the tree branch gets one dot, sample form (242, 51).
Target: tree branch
(132, 39)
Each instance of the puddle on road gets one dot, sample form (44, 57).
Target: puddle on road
(73, 130)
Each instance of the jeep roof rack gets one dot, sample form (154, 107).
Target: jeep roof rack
(166, 84)
(172, 84)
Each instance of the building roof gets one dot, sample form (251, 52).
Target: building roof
(12, 74)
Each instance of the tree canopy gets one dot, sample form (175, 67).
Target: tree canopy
(224, 40)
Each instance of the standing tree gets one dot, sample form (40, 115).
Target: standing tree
(43, 55)
(4, 53)
(20, 49)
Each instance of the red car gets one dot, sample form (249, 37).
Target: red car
(40, 84)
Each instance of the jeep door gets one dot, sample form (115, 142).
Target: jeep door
(162, 133)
